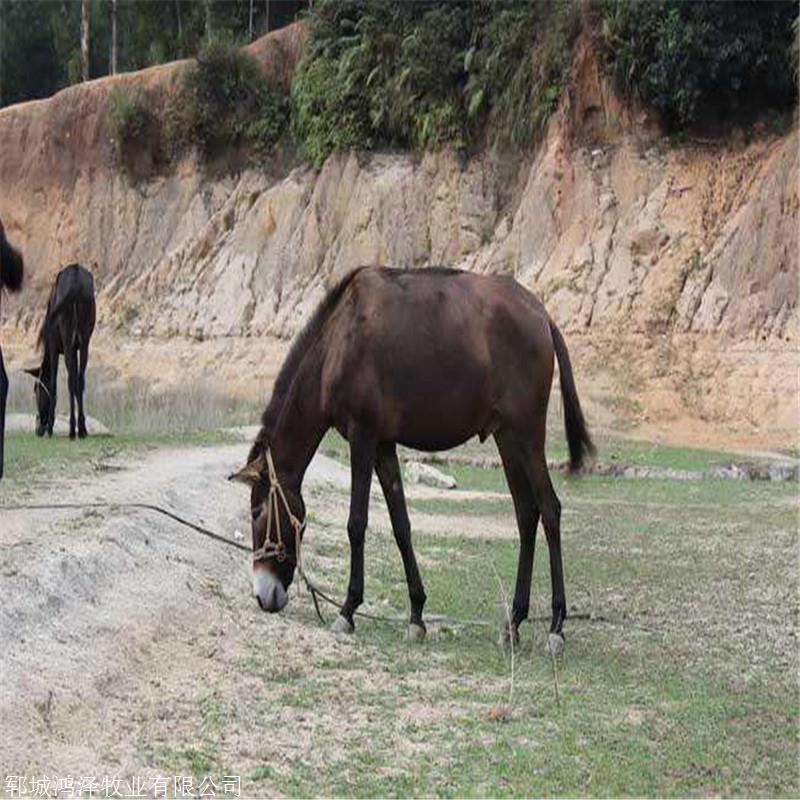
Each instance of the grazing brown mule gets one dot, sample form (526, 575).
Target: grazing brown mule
(425, 358)
(67, 329)
(11, 269)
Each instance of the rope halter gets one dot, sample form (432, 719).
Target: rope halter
(275, 548)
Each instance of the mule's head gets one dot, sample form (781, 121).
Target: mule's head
(274, 532)
(41, 395)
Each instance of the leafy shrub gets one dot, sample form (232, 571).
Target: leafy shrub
(227, 102)
(520, 68)
(378, 73)
(685, 57)
(129, 121)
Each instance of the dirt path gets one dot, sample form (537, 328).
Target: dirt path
(107, 616)
(117, 627)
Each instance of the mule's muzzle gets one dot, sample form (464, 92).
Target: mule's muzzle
(269, 591)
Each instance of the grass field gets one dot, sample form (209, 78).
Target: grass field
(684, 682)
(686, 686)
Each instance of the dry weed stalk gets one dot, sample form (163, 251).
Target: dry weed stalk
(500, 712)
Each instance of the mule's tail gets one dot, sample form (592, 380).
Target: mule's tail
(578, 439)
(11, 267)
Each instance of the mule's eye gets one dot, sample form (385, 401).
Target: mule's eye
(256, 512)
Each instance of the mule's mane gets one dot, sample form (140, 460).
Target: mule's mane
(291, 364)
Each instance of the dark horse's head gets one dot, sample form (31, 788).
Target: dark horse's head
(277, 510)
(42, 396)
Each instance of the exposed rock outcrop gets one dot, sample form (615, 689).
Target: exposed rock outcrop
(673, 270)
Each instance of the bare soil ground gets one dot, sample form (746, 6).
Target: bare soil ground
(132, 647)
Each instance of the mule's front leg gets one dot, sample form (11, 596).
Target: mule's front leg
(362, 460)
(388, 470)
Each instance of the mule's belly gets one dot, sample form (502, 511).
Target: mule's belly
(442, 404)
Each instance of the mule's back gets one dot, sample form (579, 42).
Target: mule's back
(442, 348)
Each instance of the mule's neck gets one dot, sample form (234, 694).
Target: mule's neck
(301, 424)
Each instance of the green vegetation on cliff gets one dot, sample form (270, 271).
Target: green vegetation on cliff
(227, 103)
(467, 73)
(414, 75)
(702, 59)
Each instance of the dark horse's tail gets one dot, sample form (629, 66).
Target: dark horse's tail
(578, 439)
(10, 264)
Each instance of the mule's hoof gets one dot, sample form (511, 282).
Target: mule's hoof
(555, 644)
(415, 632)
(342, 625)
(509, 635)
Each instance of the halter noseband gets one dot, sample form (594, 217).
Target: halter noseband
(275, 548)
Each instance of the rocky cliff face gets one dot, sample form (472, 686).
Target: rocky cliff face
(672, 269)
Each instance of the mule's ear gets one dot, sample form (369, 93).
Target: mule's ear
(34, 372)
(252, 472)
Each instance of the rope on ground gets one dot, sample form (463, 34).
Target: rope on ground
(315, 591)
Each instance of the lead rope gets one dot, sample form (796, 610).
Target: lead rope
(277, 549)
(314, 590)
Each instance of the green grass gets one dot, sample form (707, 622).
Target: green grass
(32, 462)
(685, 686)
(610, 450)
(684, 683)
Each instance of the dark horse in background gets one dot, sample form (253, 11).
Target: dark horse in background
(11, 269)
(67, 329)
(425, 358)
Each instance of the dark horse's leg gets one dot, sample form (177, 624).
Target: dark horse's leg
(51, 417)
(527, 515)
(388, 470)
(362, 461)
(550, 508)
(71, 360)
(3, 397)
(84, 357)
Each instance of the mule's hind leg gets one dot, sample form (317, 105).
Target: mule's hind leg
(362, 461)
(71, 359)
(388, 471)
(527, 515)
(84, 357)
(550, 508)
(3, 397)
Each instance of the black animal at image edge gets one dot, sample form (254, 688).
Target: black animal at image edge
(66, 330)
(11, 273)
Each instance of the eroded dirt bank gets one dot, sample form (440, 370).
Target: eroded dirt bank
(109, 616)
(672, 269)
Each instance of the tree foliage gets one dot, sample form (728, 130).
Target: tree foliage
(382, 73)
(686, 59)
(227, 102)
(41, 38)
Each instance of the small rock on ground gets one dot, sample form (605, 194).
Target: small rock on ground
(425, 474)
